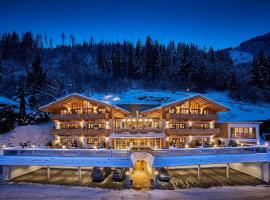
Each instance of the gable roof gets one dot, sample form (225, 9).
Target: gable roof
(46, 108)
(200, 97)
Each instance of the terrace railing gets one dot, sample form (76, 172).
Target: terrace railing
(112, 153)
(80, 116)
(209, 151)
(180, 116)
(66, 152)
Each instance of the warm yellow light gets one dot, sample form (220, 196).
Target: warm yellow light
(106, 139)
(156, 147)
(128, 120)
(156, 172)
(123, 120)
(186, 146)
(95, 147)
(81, 123)
(150, 120)
(215, 145)
(134, 120)
(167, 139)
(146, 120)
(140, 120)
(127, 173)
(63, 147)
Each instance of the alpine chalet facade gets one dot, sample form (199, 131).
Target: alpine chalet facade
(83, 122)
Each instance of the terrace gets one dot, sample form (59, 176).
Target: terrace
(179, 116)
(76, 116)
(126, 153)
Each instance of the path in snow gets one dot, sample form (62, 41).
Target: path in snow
(49, 192)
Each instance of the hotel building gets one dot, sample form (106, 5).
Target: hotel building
(83, 122)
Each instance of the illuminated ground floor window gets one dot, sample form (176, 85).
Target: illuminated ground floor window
(181, 142)
(123, 143)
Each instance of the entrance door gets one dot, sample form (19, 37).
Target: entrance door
(140, 175)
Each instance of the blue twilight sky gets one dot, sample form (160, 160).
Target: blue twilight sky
(217, 23)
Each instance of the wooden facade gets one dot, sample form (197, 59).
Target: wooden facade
(79, 116)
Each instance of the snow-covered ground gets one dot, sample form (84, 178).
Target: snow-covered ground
(36, 191)
(239, 111)
(38, 135)
(239, 57)
(6, 101)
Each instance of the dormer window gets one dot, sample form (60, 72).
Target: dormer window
(171, 110)
(102, 110)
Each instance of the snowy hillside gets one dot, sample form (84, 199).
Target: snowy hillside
(38, 135)
(239, 57)
(239, 111)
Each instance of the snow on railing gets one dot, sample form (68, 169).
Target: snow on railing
(209, 151)
(12, 151)
(65, 152)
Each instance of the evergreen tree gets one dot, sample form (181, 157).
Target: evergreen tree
(63, 38)
(102, 59)
(117, 62)
(35, 80)
(258, 71)
(27, 48)
(138, 61)
(72, 40)
(21, 96)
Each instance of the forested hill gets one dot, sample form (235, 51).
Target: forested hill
(31, 66)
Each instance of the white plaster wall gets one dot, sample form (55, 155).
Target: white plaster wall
(10, 172)
(258, 170)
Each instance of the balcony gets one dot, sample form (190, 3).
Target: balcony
(180, 116)
(80, 116)
(79, 132)
(124, 130)
(192, 132)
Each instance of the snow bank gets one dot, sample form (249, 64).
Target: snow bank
(39, 135)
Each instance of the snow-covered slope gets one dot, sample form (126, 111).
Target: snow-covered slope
(38, 135)
(6, 101)
(239, 111)
(240, 57)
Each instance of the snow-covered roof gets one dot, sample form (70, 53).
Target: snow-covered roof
(66, 161)
(127, 163)
(45, 107)
(210, 159)
(239, 111)
(223, 108)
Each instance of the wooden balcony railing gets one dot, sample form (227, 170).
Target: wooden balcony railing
(123, 130)
(80, 116)
(194, 132)
(191, 116)
(79, 132)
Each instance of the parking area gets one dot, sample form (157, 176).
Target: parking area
(180, 178)
(68, 177)
(188, 178)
